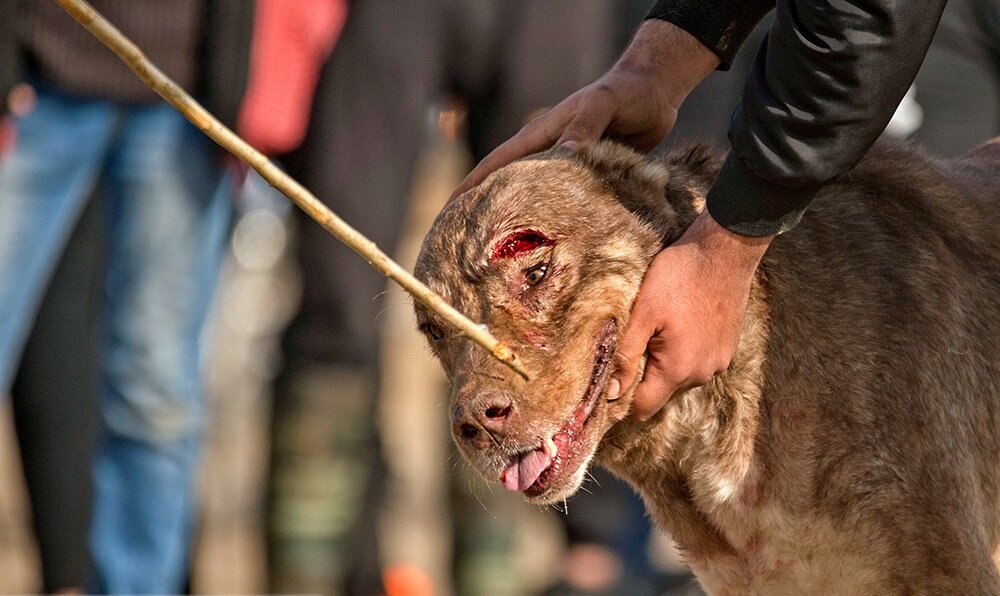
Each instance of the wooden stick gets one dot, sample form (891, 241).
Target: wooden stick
(298, 194)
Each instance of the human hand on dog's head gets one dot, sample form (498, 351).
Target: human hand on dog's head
(688, 314)
(635, 102)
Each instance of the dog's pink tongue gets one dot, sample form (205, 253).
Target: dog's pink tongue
(525, 470)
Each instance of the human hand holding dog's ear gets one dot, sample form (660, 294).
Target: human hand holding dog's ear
(688, 314)
(635, 102)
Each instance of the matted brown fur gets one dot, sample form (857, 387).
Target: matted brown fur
(853, 446)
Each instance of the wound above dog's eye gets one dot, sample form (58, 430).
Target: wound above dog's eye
(518, 243)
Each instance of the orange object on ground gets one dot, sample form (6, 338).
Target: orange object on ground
(407, 580)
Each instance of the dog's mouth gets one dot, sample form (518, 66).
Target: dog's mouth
(534, 471)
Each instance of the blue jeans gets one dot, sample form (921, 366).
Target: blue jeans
(169, 221)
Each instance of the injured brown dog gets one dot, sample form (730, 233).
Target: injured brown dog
(853, 445)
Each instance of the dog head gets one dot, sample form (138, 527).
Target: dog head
(548, 252)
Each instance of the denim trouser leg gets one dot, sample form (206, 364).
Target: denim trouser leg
(170, 219)
(44, 184)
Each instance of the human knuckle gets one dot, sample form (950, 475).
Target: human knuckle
(701, 374)
(703, 378)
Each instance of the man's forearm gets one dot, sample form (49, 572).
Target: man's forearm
(670, 54)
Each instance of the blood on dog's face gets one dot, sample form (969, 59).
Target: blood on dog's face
(546, 255)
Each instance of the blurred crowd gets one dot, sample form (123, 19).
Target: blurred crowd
(118, 219)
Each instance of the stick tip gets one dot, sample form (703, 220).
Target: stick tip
(503, 353)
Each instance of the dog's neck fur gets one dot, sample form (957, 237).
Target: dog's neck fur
(694, 461)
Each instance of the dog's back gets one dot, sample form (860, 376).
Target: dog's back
(881, 399)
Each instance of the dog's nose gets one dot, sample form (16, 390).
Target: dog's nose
(496, 414)
(489, 414)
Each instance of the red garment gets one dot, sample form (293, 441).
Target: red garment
(8, 134)
(292, 39)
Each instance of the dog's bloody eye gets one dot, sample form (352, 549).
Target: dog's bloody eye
(432, 331)
(535, 275)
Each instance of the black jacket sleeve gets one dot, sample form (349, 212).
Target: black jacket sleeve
(825, 82)
(721, 26)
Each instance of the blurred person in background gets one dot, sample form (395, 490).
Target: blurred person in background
(93, 126)
(56, 415)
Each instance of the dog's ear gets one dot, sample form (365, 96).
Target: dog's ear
(639, 184)
(696, 163)
(666, 193)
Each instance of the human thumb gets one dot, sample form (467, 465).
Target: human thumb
(628, 359)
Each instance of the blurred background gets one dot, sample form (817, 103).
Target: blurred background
(321, 459)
